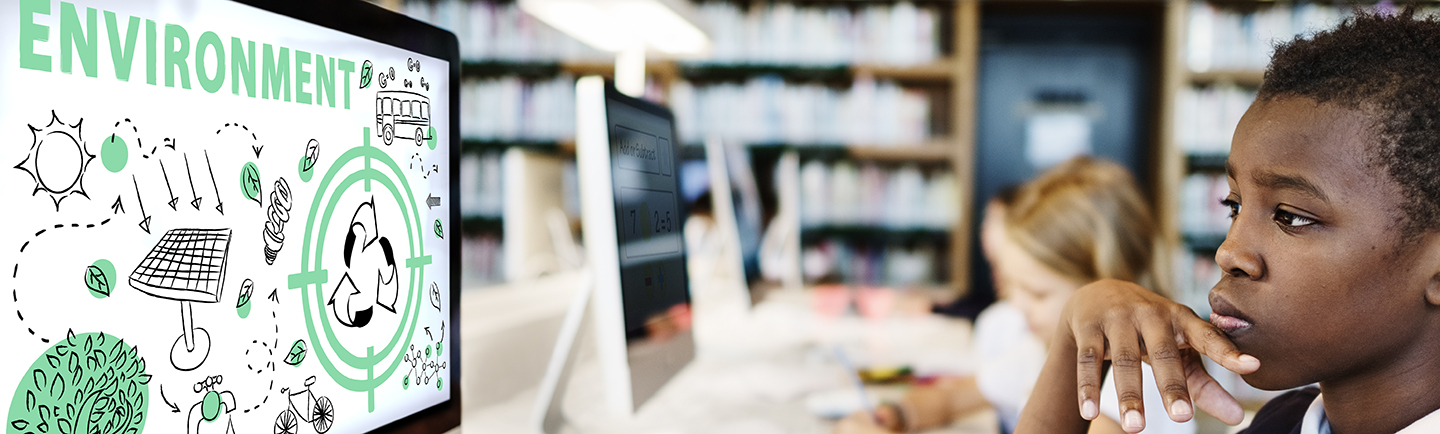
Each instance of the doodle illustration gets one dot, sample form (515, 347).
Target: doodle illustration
(366, 250)
(57, 160)
(412, 64)
(424, 84)
(423, 369)
(92, 382)
(439, 229)
(242, 132)
(279, 214)
(219, 204)
(210, 406)
(365, 74)
(250, 182)
(305, 407)
(144, 217)
(173, 200)
(297, 353)
(195, 202)
(187, 265)
(361, 365)
(416, 158)
(387, 77)
(113, 153)
(432, 201)
(307, 162)
(98, 277)
(242, 304)
(15, 271)
(117, 207)
(402, 112)
(435, 295)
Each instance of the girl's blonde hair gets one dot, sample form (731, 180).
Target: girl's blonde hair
(1086, 220)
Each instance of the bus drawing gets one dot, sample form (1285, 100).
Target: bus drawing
(402, 112)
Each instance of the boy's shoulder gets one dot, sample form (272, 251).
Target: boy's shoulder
(1283, 414)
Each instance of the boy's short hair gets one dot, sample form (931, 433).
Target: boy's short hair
(1389, 67)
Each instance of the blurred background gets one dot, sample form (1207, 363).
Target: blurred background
(863, 138)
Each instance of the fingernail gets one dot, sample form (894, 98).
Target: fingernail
(1088, 410)
(1248, 359)
(1180, 408)
(1134, 422)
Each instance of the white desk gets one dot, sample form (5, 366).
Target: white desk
(753, 370)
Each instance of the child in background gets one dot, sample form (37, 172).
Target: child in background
(1331, 264)
(1079, 222)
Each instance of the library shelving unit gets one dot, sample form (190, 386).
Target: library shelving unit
(948, 82)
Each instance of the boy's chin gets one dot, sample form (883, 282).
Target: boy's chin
(1274, 378)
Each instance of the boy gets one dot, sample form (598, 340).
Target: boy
(1331, 264)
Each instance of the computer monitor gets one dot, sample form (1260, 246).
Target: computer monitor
(281, 172)
(638, 291)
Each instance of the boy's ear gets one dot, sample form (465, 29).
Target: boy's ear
(1431, 251)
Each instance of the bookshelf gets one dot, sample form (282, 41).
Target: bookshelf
(943, 75)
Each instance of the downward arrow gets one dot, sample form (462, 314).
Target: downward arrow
(173, 199)
(195, 203)
(219, 205)
(145, 222)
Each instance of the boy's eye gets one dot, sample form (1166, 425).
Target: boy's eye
(1292, 220)
(1233, 205)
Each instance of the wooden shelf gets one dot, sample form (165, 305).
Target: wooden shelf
(940, 71)
(930, 152)
(1248, 78)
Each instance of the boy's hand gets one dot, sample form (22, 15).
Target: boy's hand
(1128, 324)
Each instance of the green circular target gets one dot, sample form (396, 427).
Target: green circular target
(379, 363)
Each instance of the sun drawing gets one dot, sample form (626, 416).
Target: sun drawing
(57, 160)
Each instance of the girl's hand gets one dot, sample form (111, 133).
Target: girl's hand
(1129, 325)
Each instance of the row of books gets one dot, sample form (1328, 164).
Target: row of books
(1201, 212)
(1224, 39)
(1206, 117)
(500, 31)
(510, 108)
(786, 33)
(481, 192)
(768, 109)
(842, 193)
(892, 265)
(482, 261)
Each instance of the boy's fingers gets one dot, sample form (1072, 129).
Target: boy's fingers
(1210, 341)
(1125, 361)
(1167, 360)
(1090, 371)
(1208, 394)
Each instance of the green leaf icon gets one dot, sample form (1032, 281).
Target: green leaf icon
(96, 281)
(297, 353)
(250, 182)
(99, 277)
(365, 75)
(439, 229)
(246, 289)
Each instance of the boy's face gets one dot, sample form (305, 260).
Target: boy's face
(1313, 260)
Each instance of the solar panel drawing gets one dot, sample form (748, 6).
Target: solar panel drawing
(186, 265)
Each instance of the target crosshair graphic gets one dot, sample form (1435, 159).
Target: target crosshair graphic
(313, 277)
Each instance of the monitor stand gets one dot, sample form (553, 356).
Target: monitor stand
(548, 414)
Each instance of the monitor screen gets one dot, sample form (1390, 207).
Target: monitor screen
(648, 214)
(224, 217)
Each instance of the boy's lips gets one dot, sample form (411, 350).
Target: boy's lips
(1226, 317)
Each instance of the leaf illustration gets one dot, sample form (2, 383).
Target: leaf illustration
(297, 353)
(246, 289)
(365, 75)
(97, 282)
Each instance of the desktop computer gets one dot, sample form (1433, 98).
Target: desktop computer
(282, 172)
(636, 299)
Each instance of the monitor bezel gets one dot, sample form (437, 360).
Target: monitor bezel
(368, 21)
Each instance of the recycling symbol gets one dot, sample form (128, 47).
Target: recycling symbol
(370, 259)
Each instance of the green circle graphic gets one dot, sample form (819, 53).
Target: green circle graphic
(114, 154)
(100, 278)
(434, 138)
(305, 175)
(313, 287)
(90, 382)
